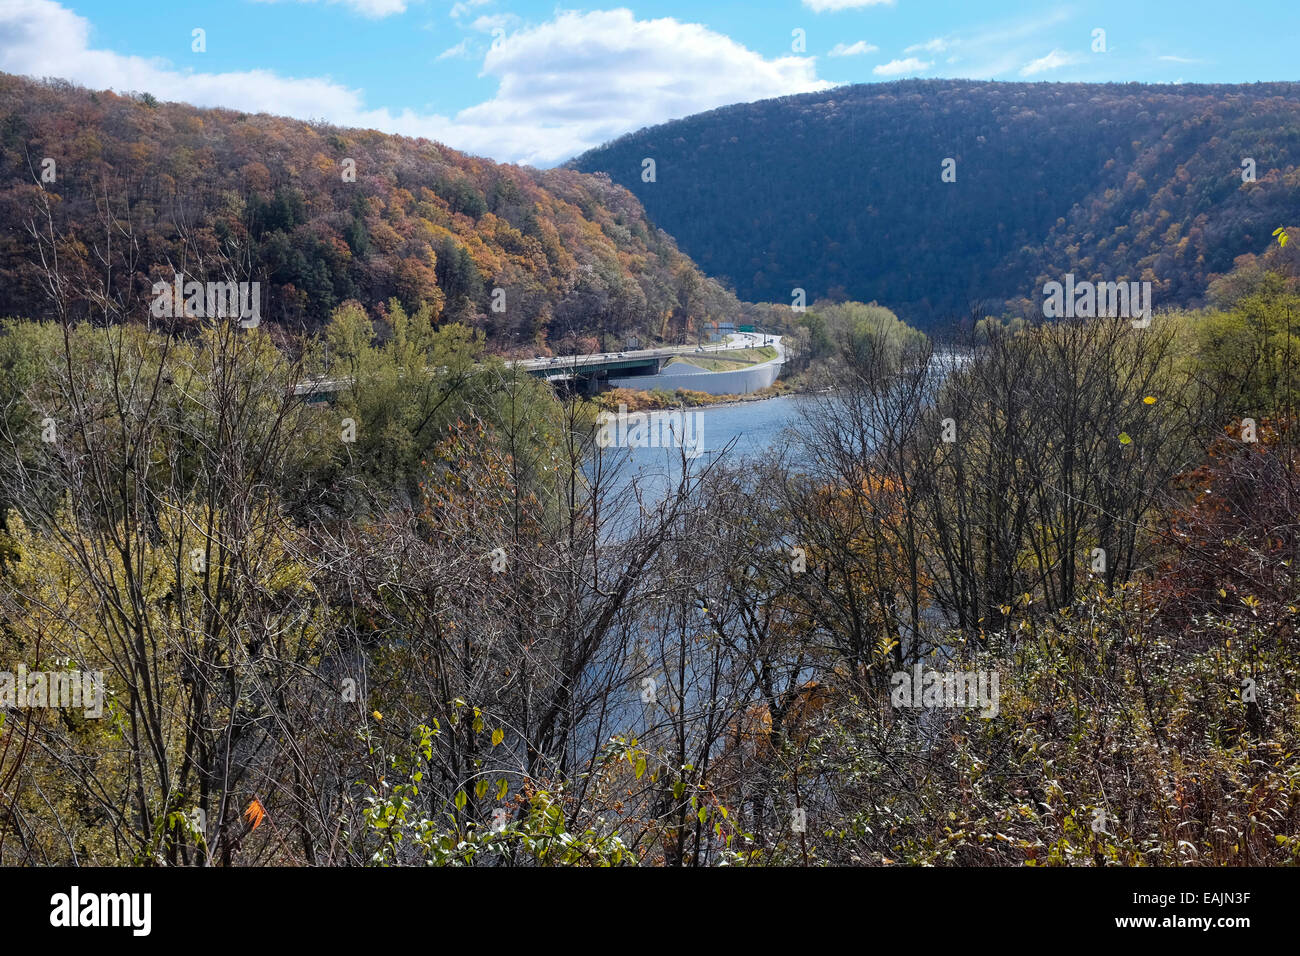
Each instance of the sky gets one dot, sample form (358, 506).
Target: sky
(538, 82)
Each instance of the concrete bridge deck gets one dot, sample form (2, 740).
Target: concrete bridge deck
(595, 365)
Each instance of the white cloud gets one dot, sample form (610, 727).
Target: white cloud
(583, 78)
(853, 49)
(902, 67)
(495, 21)
(999, 49)
(937, 45)
(1053, 61)
(459, 51)
(465, 7)
(41, 38)
(570, 83)
(367, 8)
(831, 6)
(1179, 59)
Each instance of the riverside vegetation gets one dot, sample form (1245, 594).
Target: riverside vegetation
(420, 646)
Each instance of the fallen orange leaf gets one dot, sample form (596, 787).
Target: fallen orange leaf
(255, 813)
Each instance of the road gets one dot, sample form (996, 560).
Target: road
(562, 364)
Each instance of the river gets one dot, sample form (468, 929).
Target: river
(755, 427)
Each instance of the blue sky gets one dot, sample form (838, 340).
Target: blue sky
(538, 82)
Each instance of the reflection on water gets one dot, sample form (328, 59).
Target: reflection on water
(755, 428)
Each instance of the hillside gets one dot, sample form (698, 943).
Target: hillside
(574, 254)
(840, 193)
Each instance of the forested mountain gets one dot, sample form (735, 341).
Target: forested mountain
(275, 199)
(842, 193)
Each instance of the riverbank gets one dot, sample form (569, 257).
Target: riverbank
(637, 400)
(750, 362)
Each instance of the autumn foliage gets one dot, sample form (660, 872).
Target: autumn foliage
(320, 215)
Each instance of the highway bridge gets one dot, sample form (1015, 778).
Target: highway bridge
(588, 370)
